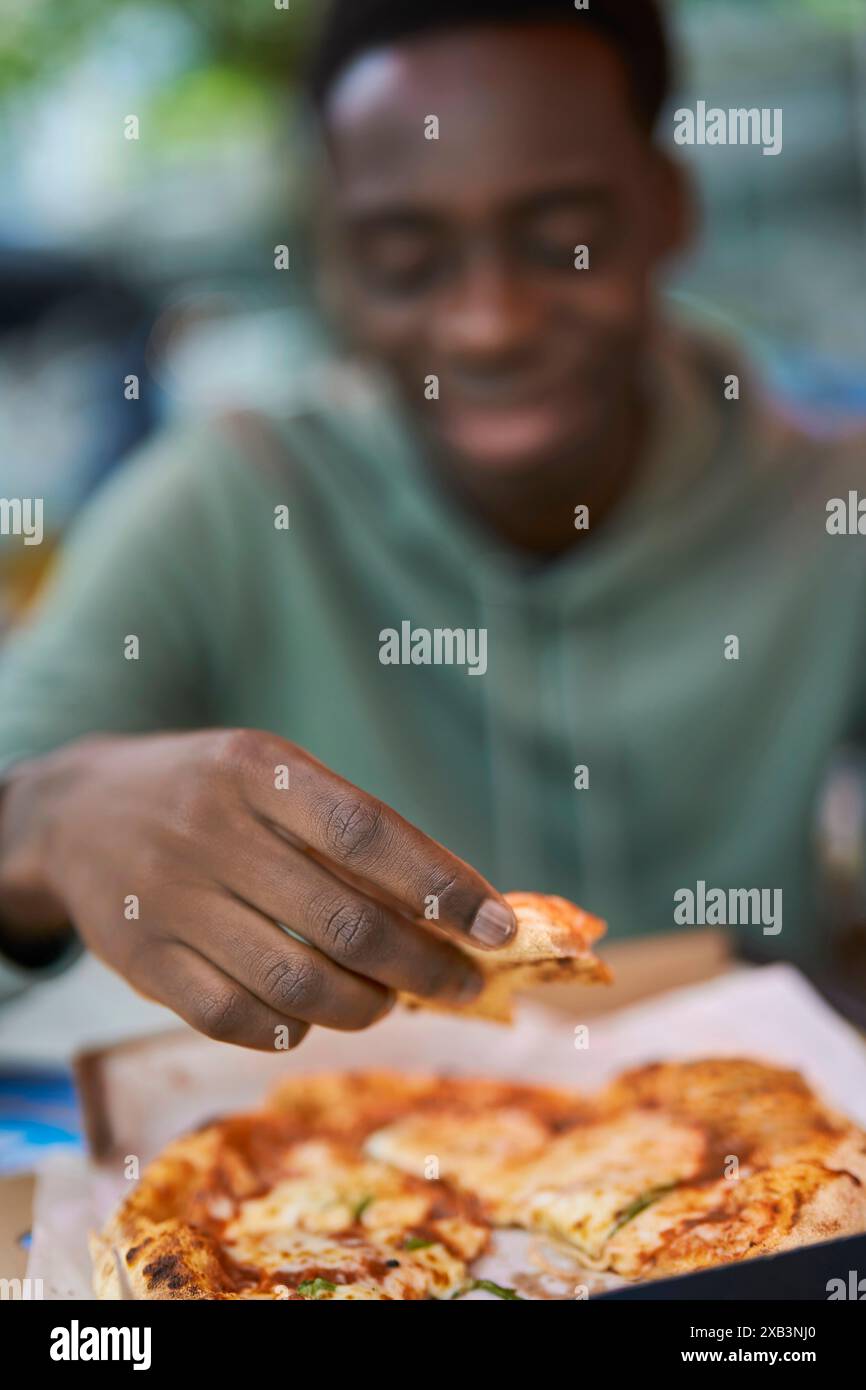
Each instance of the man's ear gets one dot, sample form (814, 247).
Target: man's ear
(677, 216)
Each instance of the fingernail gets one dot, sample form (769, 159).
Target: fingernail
(494, 924)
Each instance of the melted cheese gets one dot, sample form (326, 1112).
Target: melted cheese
(591, 1178)
(458, 1146)
(577, 1186)
(350, 1222)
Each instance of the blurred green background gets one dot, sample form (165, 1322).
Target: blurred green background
(155, 256)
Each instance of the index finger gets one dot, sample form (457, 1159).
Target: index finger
(364, 837)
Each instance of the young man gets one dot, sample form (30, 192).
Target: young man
(540, 591)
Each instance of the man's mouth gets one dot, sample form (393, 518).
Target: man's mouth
(502, 433)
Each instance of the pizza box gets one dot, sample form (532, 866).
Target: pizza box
(816, 1273)
(139, 1095)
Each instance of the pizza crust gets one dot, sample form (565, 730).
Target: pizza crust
(552, 944)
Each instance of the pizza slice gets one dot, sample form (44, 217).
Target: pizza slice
(553, 942)
(579, 1185)
(355, 1229)
(699, 1225)
(640, 1182)
(334, 1226)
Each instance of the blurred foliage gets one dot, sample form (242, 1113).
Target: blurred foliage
(40, 37)
(195, 106)
(847, 15)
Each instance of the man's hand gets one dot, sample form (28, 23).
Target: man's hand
(177, 856)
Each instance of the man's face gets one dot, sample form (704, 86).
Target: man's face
(456, 256)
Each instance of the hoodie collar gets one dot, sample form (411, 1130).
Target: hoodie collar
(687, 433)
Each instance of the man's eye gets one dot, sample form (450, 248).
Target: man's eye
(552, 242)
(399, 262)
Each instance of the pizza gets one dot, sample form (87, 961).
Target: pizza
(381, 1186)
(553, 943)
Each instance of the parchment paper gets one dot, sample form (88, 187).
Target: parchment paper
(771, 1014)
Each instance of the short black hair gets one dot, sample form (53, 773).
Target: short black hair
(635, 28)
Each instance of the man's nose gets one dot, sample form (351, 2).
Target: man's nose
(488, 313)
